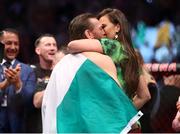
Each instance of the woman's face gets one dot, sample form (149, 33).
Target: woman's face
(109, 28)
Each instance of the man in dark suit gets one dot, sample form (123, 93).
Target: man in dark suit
(17, 84)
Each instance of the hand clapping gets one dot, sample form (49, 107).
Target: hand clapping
(13, 76)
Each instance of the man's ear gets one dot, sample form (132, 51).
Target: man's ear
(89, 34)
(37, 50)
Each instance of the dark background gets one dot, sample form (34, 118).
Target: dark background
(34, 17)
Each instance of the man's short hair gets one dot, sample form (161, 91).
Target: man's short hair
(41, 36)
(79, 24)
(9, 30)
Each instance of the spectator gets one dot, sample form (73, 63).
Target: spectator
(46, 49)
(17, 86)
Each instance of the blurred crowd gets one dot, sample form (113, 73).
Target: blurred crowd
(33, 18)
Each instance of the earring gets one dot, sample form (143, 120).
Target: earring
(116, 36)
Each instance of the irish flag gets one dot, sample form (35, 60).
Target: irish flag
(81, 98)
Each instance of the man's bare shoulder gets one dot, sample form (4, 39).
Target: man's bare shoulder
(104, 62)
(97, 57)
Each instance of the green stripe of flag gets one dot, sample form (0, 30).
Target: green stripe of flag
(94, 103)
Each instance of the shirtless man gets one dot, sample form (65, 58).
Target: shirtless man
(83, 94)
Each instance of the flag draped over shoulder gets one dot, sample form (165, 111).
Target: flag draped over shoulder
(81, 98)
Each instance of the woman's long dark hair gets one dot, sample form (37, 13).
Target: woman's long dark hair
(130, 67)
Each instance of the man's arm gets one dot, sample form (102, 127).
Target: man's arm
(176, 121)
(37, 99)
(28, 83)
(85, 45)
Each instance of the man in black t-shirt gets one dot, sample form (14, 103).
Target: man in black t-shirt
(46, 49)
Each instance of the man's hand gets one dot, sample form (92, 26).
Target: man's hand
(13, 76)
(176, 121)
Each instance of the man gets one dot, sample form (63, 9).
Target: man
(83, 94)
(46, 49)
(16, 87)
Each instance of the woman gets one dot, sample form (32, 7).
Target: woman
(119, 47)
